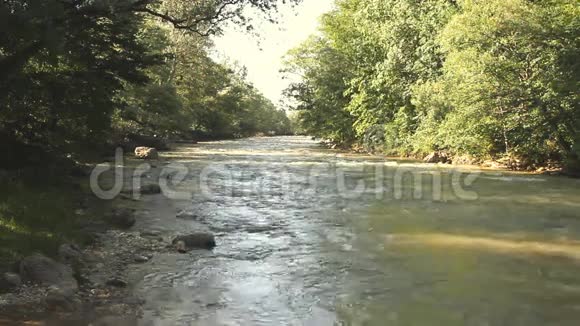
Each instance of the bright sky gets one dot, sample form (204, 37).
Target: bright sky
(263, 56)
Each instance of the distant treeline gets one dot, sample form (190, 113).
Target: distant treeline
(78, 76)
(488, 79)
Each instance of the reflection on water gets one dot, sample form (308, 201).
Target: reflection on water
(511, 257)
(566, 249)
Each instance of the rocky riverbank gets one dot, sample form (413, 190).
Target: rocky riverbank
(552, 168)
(82, 289)
(89, 285)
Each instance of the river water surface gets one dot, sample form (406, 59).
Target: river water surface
(297, 245)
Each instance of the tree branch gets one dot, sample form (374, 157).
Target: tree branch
(192, 25)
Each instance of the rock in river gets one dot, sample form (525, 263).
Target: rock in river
(194, 241)
(141, 259)
(188, 215)
(146, 153)
(42, 270)
(150, 189)
(117, 282)
(122, 218)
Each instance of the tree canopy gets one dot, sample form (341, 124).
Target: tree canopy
(493, 79)
(76, 74)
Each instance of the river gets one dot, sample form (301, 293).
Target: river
(310, 236)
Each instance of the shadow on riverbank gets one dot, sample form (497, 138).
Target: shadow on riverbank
(39, 216)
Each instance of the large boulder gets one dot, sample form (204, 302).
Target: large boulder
(437, 157)
(45, 271)
(184, 243)
(146, 153)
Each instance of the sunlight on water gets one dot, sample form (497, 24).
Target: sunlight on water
(294, 250)
(570, 249)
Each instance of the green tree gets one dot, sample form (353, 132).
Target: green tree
(510, 80)
(319, 95)
(71, 68)
(493, 79)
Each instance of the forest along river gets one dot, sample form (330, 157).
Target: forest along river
(295, 248)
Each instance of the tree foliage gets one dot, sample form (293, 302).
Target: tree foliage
(74, 73)
(489, 78)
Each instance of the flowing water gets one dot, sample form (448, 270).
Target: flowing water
(309, 236)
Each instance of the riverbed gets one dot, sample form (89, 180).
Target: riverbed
(311, 236)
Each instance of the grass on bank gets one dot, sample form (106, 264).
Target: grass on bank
(38, 217)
